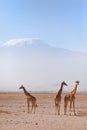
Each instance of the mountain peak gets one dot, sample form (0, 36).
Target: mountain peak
(19, 42)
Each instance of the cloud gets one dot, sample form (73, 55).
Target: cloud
(20, 41)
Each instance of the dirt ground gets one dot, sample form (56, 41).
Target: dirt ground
(14, 116)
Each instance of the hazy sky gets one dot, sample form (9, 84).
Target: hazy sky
(62, 23)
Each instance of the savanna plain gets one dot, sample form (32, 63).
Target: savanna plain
(14, 116)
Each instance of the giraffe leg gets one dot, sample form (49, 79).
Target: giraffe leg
(70, 106)
(74, 106)
(64, 110)
(65, 105)
(59, 109)
(35, 106)
(32, 108)
(28, 108)
(56, 109)
(28, 105)
(56, 106)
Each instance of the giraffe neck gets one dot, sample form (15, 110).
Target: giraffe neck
(26, 93)
(60, 90)
(75, 89)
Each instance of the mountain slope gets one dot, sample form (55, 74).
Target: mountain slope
(36, 64)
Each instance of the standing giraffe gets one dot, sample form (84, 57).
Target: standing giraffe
(57, 98)
(30, 99)
(70, 98)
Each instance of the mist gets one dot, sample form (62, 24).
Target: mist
(40, 68)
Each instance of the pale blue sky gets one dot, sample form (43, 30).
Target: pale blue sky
(62, 23)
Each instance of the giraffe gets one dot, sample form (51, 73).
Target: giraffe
(30, 100)
(71, 98)
(57, 98)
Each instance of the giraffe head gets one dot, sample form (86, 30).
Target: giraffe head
(77, 82)
(21, 87)
(64, 83)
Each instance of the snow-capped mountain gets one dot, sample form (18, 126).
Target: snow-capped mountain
(24, 42)
(34, 63)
